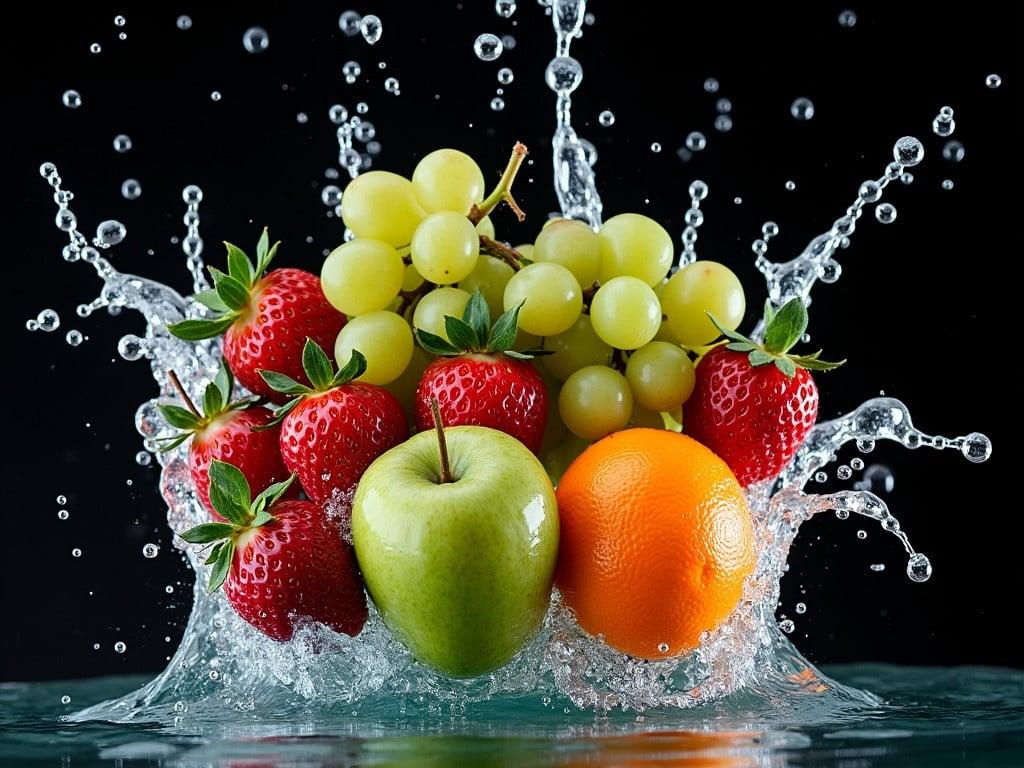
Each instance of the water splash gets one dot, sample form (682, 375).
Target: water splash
(575, 184)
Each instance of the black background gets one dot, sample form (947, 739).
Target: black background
(918, 311)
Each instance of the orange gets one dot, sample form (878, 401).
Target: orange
(656, 541)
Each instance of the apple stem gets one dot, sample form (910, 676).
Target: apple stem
(442, 445)
(176, 383)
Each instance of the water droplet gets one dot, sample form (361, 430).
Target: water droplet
(919, 567)
(993, 81)
(723, 105)
(301, 118)
(63, 514)
(65, 699)
(74, 338)
(95, 48)
(655, 147)
(862, 535)
(790, 185)
(697, 190)
(711, 85)
(857, 463)
(215, 96)
(976, 447)
(723, 123)
(802, 108)
(62, 499)
(843, 472)
(787, 626)
(120, 647)
(362, 107)
(72, 99)
(120, 21)
(696, 141)
(885, 213)
(953, 151)
(76, 552)
(947, 184)
(256, 40)
(506, 76)
(663, 647)
(351, 70)
(149, 551)
(497, 104)
(505, 8)
(606, 118)
(877, 567)
(879, 478)
(907, 177)
(184, 22)
(143, 458)
(371, 28)
(48, 320)
(944, 124)
(192, 194)
(908, 151)
(111, 232)
(65, 220)
(820, 477)
(488, 47)
(391, 85)
(131, 189)
(563, 74)
(847, 19)
(365, 131)
(122, 143)
(348, 23)
(801, 608)
(331, 196)
(169, 589)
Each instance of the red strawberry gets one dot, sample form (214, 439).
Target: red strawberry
(753, 403)
(265, 319)
(280, 562)
(227, 430)
(331, 432)
(480, 379)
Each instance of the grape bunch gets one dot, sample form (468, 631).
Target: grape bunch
(618, 326)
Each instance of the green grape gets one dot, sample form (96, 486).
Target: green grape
(575, 348)
(381, 206)
(411, 279)
(625, 313)
(404, 387)
(362, 276)
(448, 180)
(660, 375)
(572, 244)
(635, 245)
(445, 247)
(432, 308)
(695, 290)
(595, 401)
(485, 227)
(526, 251)
(489, 276)
(646, 418)
(552, 296)
(385, 340)
(554, 428)
(557, 459)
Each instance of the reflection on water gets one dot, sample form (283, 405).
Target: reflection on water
(931, 716)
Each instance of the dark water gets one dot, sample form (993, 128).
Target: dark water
(931, 716)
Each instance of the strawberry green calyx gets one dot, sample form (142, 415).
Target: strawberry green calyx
(320, 370)
(232, 498)
(216, 402)
(473, 333)
(782, 329)
(229, 297)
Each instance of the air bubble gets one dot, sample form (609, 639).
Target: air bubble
(65, 699)
(563, 74)
(947, 184)
(149, 551)
(48, 320)
(215, 96)
(993, 81)
(802, 108)
(120, 21)
(663, 647)
(331, 196)
(790, 185)
(256, 40)
(885, 213)
(74, 338)
(63, 514)
(301, 118)
(120, 647)
(365, 131)
(371, 28)
(131, 189)
(192, 195)
(497, 104)
(953, 151)
(696, 141)
(184, 22)
(655, 147)
(62, 499)
(787, 626)
(862, 535)
(976, 447)
(348, 23)
(606, 118)
(505, 8)
(711, 85)
(723, 123)
(801, 608)
(944, 124)
(879, 478)
(392, 86)
(111, 232)
(122, 143)
(362, 107)
(71, 99)
(95, 48)
(76, 552)
(857, 463)
(843, 472)
(847, 19)
(908, 151)
(820, 477)
(143, 458)
(351, 70)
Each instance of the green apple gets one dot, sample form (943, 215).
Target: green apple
(458, 546)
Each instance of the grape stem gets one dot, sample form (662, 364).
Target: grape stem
(176, 383)
(503, 191)
(409, 298)
(619, 360)
(442, 444)
(509, 255)
(588, 293)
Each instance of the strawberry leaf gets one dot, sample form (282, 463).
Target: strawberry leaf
(196, 330)
(434, 344)
(261, 266)
(477, 315)
(503, 334)
(221, 566)
(239, 266)
(769, 312)
(225, 381)
(207, 532)
(784, 364)
(759, 357)
(213, 400)
(229, 492)
(231, 292)
(353, 369)
(517, 355)
(317, 365)
(262, 245)
(461, 334)
(812, 363)
(170, 443)
(268, 497)
(286, 385)
(786, 327)
(262, 518)
(280, 412)
(731, 335)
(741, 346)
(178, 417)
(214, 553)
(211, 300)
